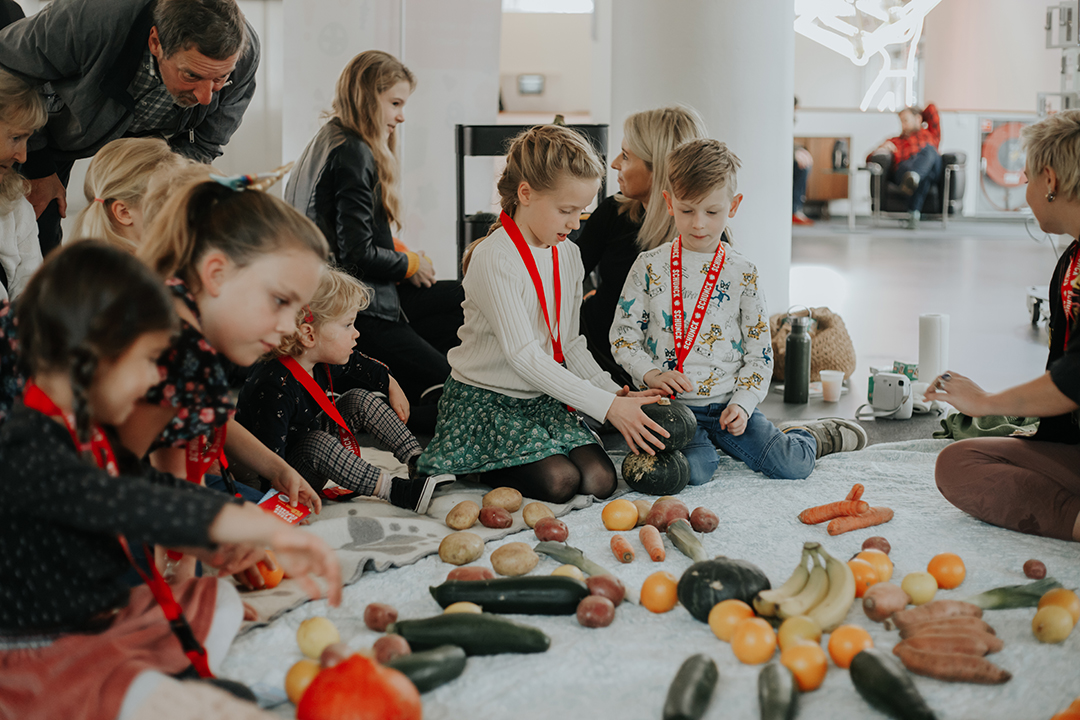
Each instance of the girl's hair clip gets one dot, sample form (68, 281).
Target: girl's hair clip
(309, 317)
(262, 181)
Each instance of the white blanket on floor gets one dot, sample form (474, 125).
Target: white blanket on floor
(623, 671)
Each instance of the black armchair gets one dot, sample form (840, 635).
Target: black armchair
(889, 200)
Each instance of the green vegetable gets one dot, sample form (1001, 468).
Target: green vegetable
(692, 689)
(665, 473)
(481, 634)
(704, 584)
(674, 417)
(886, 685)
(1014, 596)
(431, 668)
(539, 595)
(778, 695)
(683, 536)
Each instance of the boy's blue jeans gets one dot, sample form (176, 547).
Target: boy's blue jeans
(761, 446)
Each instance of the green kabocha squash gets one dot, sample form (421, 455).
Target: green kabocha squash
(706, 583)
(665, 473)
(674, 417)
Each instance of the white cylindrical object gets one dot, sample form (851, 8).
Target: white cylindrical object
(933, 346)
(832, 383)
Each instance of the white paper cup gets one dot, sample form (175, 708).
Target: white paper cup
(831, 382)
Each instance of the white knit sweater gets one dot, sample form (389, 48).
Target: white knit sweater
(20, 253)
(505, 345)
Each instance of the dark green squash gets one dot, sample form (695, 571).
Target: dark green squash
(665, 473)
(674, 417)
(706, 583)
(884, 683)
(690, 692)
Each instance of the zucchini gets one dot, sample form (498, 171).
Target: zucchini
(537, 595)
(886, 685)
(692, 689)
(778, 695)
(481, 634)
(431, 668)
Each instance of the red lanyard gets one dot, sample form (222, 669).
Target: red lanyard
(328, 407)
(102, 452)
(530, 264)
(682, 348)
(1068, 285)
(198, 459)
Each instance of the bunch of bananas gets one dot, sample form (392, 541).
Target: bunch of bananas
(824, 590)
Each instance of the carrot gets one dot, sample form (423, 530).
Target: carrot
(873, 516)
(960, 623)
(934, 610)
(654, 544)
(840, 508)
(621, 547)
(993, 642)
(953, 667)
(856, 492)
(963, 644)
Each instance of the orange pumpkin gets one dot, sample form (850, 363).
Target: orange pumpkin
(360, 689)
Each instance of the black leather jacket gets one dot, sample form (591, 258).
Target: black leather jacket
(336, 184)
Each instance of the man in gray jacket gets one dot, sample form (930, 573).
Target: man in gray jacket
(183, 70)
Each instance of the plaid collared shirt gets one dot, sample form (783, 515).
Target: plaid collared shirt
(156, 112)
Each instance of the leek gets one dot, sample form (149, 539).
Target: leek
(1014, 596)
(683, 537)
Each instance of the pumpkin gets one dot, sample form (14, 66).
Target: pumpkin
(665, 473)
(706, 583)
(674, 417)
(360, 689)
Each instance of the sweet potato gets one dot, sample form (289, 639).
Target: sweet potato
(495, 517)
(935, 610)
(665, 511)
(389, 647)
(961, 623)
(607, 586)
(551, 529)
(463, 515)
(703, 520)
(595, 611)
(507, 498)
(884, 599)
(993, 642)
(471, 573)
(952, 667)
(377, 616)
(963, 644)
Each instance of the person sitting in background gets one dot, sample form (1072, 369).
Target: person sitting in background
(916, 161)
(801, 165)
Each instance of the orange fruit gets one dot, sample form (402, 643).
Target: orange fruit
(726, 615)
(1067, 714)
(1066, 599)
(799, 628)
(948, 569)
(298, 678)
(272, 578)
(620, 514)
(658, 592)
(865, 576)
(880, 561)
(847, 641)
(807, 662)
(753, 641)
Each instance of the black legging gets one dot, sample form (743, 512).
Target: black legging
(587, 470)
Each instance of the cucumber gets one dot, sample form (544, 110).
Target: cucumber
(481, 634)
(692, 689)
(777, 694)
(540, 595)
(886, 685)
(431, 668)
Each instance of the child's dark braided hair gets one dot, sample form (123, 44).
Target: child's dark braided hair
(88, 302)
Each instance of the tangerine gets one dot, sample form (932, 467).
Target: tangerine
(865, 576)
(948, 569)
(726, 615)
(271, 578)
(880, 561)
(620, 514)
(807, 662)
(847, 641)
(659, 592)
(1065, 598)
(754, 641)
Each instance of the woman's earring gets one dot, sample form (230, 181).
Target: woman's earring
(1050, 196)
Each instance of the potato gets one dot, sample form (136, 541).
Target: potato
(884, 599)
(377, 616)
(508, 499)
(471, 573)
(569, 571)
(460, 548)
(314, 634)
(335, 654)
(607, 586)
(665, 511)
(1034, 569)
(644, 505)
(877, 543)
(463, 606)
(534, 511)
(463, 515)
(595, 611)
(495, 517)
(514, 558)
(551, 529)
(389, 647)
(703, 520)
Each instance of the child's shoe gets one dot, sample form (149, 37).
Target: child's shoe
(415, 493)
(833, 435)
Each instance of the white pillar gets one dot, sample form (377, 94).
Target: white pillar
(733, 61)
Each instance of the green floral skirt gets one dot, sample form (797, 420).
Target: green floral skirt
(480, 430)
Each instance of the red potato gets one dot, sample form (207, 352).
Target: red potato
(389, 647)
(960, 623)
(595, 611)
(665, 511)
(334, 654)
(551, 529)
(496, 517)
(963, 644)
(1035, 569)
(607, 586)
(952, 667)
(935, 610)
(877, 543)
(703, 520)
(471, 573)
(377, 616)
(884, 599)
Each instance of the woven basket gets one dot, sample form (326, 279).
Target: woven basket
(830, 348)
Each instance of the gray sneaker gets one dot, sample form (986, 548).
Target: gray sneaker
(833, 435)
(909, 183)
(913, 220)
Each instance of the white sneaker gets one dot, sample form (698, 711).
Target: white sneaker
(833, 435)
